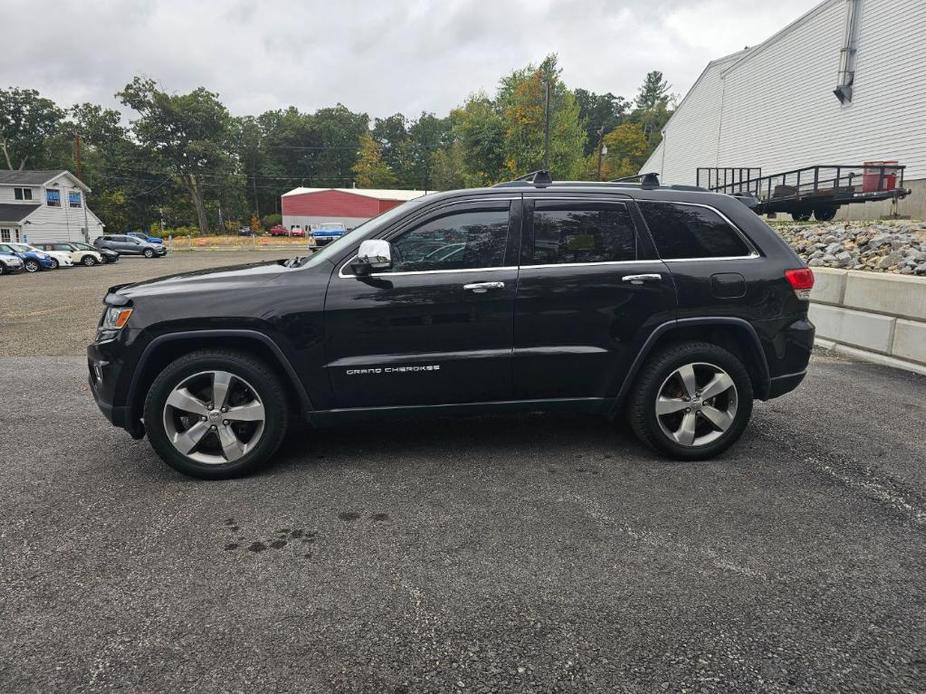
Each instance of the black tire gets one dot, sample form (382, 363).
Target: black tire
(149, 253)
(261, 379)
(2, 268)
(88, 261)
(825, 214)
(54, 264)
(803, 216)
(641, 409)
(32, 265)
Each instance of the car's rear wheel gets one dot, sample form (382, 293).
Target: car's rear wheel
(149, 253)
(88, 260)
(216, 414)
(691, 401)
(32, 265)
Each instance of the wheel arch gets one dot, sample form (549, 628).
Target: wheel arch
(165, 348)
(734, 334)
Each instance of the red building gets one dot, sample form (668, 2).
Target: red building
(306, 207)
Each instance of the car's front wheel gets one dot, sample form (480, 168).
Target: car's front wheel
(216, 414)
(54, 264)
(88, 260)
(149, 253)
(32, 265)
(691, 401)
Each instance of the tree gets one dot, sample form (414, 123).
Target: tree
(481, 133)
(189, 132)
(600, 113)
(27, 122)
(653, 110)
(370, 170)
(521, 105)
(447, 167)
(653, 92)
(627, 151)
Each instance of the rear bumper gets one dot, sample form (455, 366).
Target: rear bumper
(779, 385)
(788, 355)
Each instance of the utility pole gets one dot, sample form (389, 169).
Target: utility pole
(546, 124)
(80, 172)
(254, 188)
(600, 149)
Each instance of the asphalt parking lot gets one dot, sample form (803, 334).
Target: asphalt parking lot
(521, 553)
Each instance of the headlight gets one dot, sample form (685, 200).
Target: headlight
(115, 318)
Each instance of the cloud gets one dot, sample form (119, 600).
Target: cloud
(379, 57)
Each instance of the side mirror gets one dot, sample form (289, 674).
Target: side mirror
(374, 254)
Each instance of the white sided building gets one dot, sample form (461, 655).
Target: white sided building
(45, 206)
(843, 84)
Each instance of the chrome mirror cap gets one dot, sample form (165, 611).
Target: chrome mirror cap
(374, 254)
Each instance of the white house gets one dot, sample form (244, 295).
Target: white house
(45, 206)
(843, 84)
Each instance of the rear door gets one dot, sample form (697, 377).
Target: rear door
(590, 291)
(436, 328)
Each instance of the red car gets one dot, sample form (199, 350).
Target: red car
(280, 230)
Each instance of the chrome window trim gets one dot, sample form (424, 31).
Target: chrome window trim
(545, 266)
(745, 239)
(421, 272)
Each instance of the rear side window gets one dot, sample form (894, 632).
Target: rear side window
(581, 233)
(691, 231)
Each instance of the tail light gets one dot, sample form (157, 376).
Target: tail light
(801, 281)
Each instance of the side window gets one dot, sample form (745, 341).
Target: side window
(62, 247)
(690, 231)
(581, 233)
(454, 241)
(53, 198)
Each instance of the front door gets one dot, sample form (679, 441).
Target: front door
(590, 290)
(437, 327)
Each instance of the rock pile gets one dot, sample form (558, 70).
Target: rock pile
(875, 246)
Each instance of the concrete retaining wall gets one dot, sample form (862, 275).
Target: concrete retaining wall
(876, 316)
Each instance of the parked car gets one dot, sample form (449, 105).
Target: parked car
(145, 237)
(10, 263)
(79, 256)
(60, 258)
(33, 258)
(245, 231)
(326, 233)
(108, 255)
(674, 307)
(131, 245)
(280, 230)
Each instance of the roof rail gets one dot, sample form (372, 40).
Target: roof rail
(540, 178)
(647, 180)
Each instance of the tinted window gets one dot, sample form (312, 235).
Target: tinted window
(689, 231)
(581, 233)
(470, 239)
(61, 247)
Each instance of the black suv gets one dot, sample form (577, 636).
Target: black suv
(673, 305)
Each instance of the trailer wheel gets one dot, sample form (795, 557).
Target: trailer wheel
(824, 214)
(802, 216)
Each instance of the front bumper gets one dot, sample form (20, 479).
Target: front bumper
(103, 372)
(13, 269)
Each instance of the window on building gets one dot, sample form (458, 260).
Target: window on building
(472, 239)
(53, 198)
(22, 193)
(74, 199)
(581, 233)
(4, 234)
(690, 231)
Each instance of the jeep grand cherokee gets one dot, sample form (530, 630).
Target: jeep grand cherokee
(672, 305)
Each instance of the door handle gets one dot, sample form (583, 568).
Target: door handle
(640, 279)
(482, 287)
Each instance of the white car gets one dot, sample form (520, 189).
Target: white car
(61, 258)
(78, 256)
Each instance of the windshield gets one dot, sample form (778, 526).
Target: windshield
(24, 248)
(363, 231)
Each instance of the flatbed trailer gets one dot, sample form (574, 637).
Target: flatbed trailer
(819, 190)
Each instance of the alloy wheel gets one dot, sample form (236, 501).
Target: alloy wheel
(32, 266)
(696, 404)
(214, 417)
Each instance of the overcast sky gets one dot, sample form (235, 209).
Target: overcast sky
(378, 56)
